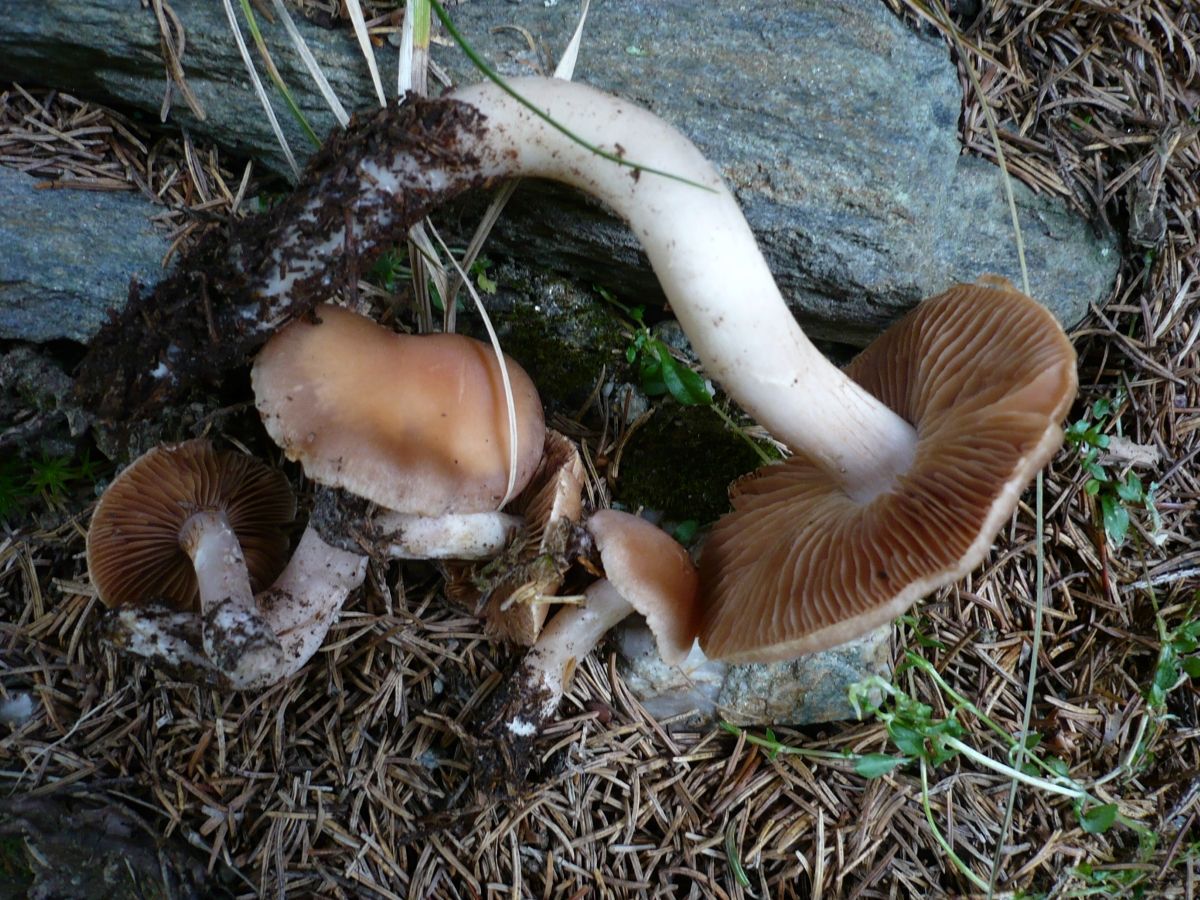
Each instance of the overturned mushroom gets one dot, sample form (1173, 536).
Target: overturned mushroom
(416, 424)
(645, 571)
(805, 562)
(198, 530)
(299, 608)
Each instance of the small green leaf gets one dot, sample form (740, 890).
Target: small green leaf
(1116, 519)
(651, 376)
(731, 854)
(1130, 490)
(685, 386)
(1183, 644)
(686, 530)
(1191, 666)
(609, 297)
(876, 765)
(486, 284)
(1098, 819)
(908, 740)
(1166, 674)
(1101, 408)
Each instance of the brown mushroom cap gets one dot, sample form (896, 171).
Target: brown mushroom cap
(417, 424)
(133, 549)
(653, 573)
(551, 504)
(985, 375)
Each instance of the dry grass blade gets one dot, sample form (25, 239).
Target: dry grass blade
(174, 44)
(513, 449)
(259, 90)
(310, 63)
(564, 70)
(364, 43)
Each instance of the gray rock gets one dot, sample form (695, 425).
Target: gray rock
(110, 50)
(802, 691)
(834, 123)
(36, 407)
(67, 257)
(836, 126)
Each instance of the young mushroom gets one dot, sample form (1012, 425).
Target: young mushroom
(645, 571)
(198, 530)
(416, 424)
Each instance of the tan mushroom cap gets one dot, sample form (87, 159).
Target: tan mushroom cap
(133, 550)
(653, 573)
(417, 424)
(985, 375)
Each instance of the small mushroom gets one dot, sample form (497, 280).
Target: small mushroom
(197, 529)
(645, 571)
(416, 424)
(805, 561)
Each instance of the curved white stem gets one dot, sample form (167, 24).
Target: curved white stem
(452, 536)
(709, 264)
(304, 602)
(235, 638)
(297, 612)
(548, 668)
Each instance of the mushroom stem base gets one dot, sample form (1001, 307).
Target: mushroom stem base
(531, 697)
(236, 639)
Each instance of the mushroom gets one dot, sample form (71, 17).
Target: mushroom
(299, 608)
(645, 571)
(197, 529)
(229, 513)
(867, 442)
(804, 562)
(416, 424)
(389, 170)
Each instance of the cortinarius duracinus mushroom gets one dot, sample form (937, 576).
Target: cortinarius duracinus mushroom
(198, 530)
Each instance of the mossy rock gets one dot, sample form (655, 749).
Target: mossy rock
(681, 462)
(564, 336)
